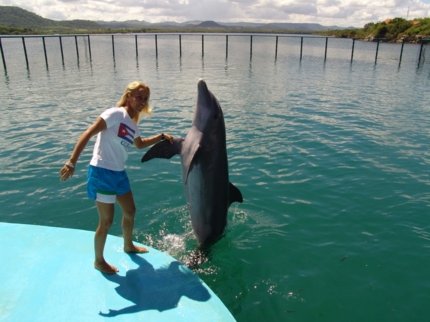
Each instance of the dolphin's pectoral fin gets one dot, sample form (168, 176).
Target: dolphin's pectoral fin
(234, 194)
(191, 160)
(163, 150)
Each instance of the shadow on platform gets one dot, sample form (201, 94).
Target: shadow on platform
(156, 289)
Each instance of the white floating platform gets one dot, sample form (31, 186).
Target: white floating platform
(47, 274)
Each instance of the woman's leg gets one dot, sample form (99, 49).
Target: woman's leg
(106, 212)
(126, 202)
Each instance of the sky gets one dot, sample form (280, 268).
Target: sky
(342, 13)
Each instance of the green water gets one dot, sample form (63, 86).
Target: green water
(332, 159)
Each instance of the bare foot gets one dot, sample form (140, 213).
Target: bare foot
(135, 249)
(105, 268)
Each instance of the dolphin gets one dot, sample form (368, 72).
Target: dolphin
(204, 166)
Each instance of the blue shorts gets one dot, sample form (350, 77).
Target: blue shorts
(104, 185)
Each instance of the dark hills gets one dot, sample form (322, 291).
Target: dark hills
(15, 17)
(209, 24)
(219, 25)
(301, 26)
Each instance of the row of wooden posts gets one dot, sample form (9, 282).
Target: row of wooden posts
(180, 46)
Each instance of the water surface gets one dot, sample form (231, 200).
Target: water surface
(332, 159)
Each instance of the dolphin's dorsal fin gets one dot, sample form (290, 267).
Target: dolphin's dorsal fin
(189, 151)
(189, 162)
(164, 150)
(234, 194)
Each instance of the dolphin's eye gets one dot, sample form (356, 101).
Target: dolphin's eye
(216, 116)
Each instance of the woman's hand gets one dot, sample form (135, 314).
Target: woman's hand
(146, 142)
(168, 137)
(67, 171)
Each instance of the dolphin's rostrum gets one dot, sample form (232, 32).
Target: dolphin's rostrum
(204, 166)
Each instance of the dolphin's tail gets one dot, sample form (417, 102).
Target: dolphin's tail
(164, 150)
(234, 194)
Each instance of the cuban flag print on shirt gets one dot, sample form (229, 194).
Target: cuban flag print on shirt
(126, 133)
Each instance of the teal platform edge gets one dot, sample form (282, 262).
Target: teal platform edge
(47, 274)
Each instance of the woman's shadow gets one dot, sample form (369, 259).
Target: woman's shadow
(159, 289)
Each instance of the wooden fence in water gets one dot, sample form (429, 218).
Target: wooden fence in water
(136, 36)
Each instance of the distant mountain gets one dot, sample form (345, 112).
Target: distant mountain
(300, 26)
(219, 25)
(16, 17)
(209, 24)
(136, 24)
(132, 24)
(242, 24)
(176, 24)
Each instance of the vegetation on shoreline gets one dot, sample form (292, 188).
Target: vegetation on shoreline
(392, 30)
(29, 31)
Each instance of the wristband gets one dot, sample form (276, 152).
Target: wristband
(70, 165)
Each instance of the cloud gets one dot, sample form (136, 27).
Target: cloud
(70, 1)
(300, 9)
(327, 12)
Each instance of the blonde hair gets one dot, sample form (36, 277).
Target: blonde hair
(147, 109)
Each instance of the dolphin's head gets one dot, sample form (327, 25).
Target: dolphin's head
(208, 112)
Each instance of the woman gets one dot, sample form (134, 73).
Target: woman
(116, 131)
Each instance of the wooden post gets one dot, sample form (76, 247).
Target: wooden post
(250, 48)
(352, 50)
(25, 51)
(226, 46)
(276, 49)
(377, 49)
(325, 54)
(2, 56)
(61, 49)
(301, 48)
(113, 47)
(44, 50)
(180, 46)
(156, 47)
(135, 41)
(89, 47)
(77, 49)
(401, 52)
(421, 52)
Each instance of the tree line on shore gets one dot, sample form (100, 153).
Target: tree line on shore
(392, 30)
